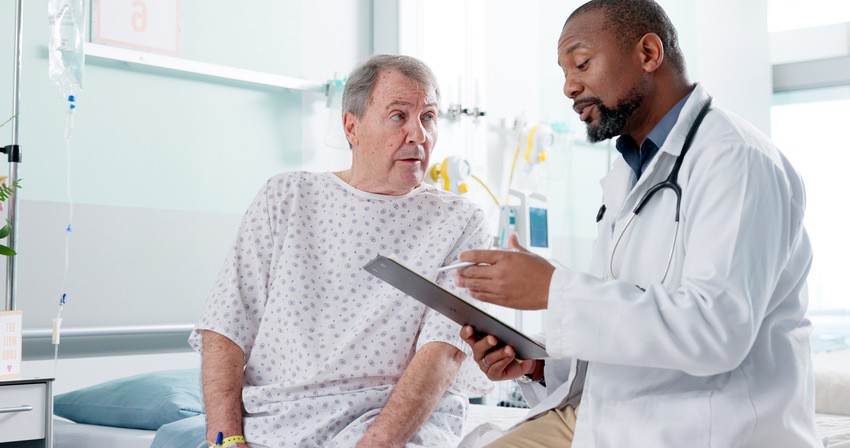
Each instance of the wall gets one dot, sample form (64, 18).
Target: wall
(732, 56)
(164, 164)
(509, 49)
(524, 81)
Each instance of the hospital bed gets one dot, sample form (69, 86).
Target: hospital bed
(74, 435)
(832, 376)
(67, 434)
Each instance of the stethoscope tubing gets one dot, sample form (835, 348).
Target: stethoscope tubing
(671, 183)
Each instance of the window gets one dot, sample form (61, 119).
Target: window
(785, 15)
(807, 125)
(808, 128)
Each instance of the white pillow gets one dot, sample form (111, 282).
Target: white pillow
(832, 382)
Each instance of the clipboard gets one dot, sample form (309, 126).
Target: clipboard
(453, 307)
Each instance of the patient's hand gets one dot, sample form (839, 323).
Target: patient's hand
(498, 363)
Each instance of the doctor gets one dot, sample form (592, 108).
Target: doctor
(684, 333)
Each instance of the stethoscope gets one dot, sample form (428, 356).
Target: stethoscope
(672, 183)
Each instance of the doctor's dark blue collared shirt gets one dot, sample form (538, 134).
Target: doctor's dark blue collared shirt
(638, 157)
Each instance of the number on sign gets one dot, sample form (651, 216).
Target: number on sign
(139, 19)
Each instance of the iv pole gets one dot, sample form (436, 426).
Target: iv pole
(14, 152)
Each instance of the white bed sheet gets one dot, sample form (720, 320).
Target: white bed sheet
(836, 428)
(502, 417)
(67, 434)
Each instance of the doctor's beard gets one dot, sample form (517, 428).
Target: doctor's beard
(613, 120)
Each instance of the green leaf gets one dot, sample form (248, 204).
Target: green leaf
(5, 231)
(4, 250)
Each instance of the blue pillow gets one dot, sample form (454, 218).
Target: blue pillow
(189, 432)
(145, 401)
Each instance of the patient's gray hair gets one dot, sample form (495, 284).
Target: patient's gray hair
(358, 89)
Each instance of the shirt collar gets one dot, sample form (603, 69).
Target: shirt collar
(638, 157)
(659, 133)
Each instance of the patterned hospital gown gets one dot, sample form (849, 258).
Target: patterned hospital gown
(325, 342)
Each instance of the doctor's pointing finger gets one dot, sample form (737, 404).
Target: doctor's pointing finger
(517, 279)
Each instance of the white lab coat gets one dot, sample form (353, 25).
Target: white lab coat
(718, 355)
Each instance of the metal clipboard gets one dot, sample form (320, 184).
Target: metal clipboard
(453, 307)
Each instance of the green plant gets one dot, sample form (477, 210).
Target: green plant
(5, 192)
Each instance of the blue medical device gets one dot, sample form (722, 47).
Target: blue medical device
(529, 219)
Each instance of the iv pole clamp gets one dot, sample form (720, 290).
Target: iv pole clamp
(14, 152)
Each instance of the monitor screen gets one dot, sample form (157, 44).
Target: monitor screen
(538, 227)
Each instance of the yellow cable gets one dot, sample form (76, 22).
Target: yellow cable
(444, 173)
(530, 144)
(528, 147)
(511, 178)
(486, 188)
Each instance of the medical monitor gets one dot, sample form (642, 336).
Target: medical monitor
(538, 227)
(529, 218)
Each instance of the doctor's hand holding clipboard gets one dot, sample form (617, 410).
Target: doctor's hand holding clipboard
(517, 279)
(499, 361)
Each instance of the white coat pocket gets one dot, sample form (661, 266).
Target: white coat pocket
(669, 421)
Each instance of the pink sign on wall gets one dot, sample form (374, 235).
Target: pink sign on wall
(148, 25)
(10, 344)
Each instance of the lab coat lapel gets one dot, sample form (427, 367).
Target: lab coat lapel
(615, 186)
(692, 108)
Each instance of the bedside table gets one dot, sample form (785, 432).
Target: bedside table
(26, 413)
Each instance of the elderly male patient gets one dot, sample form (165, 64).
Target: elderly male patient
(303, 348)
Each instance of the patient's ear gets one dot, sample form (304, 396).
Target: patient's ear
(349, 124)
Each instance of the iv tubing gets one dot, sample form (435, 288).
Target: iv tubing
(57, 322)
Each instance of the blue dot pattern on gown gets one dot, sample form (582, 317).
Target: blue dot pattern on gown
(325, 341)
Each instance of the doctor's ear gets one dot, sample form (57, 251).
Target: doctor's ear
(350, 126)
(651, 52)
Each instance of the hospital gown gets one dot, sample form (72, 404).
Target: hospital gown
(325, 342)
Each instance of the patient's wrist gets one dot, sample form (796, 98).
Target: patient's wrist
(370, 441)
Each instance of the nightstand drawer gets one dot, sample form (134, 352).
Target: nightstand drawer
(22, 412)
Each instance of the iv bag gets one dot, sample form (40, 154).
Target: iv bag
(65, 45)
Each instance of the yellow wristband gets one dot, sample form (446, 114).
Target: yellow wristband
(233, 440)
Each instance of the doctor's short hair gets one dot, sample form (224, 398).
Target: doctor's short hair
(358, 89)
(629, 20)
